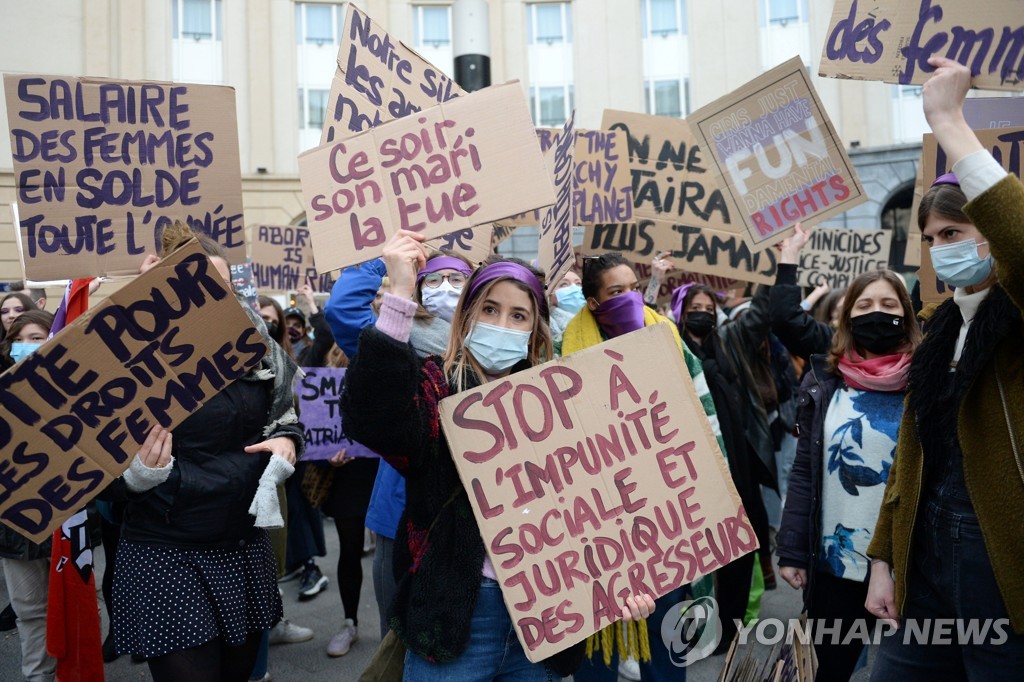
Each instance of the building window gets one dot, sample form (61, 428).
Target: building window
(549, 22)
(551, 105)
(432, 25)
(312, 108)
(318, 23)
(666, 98)
(783, 12)
(196, 19)
(663, 18)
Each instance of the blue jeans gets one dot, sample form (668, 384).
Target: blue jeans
(659, 668)
(950, 578)
(494, 652)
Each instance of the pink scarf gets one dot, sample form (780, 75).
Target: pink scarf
(886, 373)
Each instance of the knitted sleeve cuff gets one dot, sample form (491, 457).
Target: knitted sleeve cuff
(139, 478)
(396, 315)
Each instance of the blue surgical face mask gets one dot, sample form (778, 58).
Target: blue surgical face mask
(571, 298)
(21, 350)
(959, 265)
(441, 301)
(496, 349)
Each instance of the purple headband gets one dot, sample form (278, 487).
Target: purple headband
(677, 299)
(509, 270)
(947, 179)
(443, 263)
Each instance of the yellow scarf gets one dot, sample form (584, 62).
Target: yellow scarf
(583, 331)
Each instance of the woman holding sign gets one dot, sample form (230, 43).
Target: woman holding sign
(448, 610)
(195, 579)
(948, 539)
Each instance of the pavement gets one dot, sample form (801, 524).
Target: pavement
(309, 662)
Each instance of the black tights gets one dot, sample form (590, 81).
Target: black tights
(210, 662)
(350, 564)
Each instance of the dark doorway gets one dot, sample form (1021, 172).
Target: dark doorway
(896, 216)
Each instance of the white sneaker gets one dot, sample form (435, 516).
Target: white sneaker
(630, 669)
(287, 632)
(342, 642)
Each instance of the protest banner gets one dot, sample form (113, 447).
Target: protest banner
(500, 233)
(602, 188)
(102, 166)
(773, 149)
(676, 278)
(244, 286)
(993, 112)
(1006, 146)
(319, 393)
(474, 243)
(379, 79)
(554, 248)
(460, 164)
(282, 259)
(677, 205)
(77, 409)
(594, 477)
(837, 255)
(892, 40)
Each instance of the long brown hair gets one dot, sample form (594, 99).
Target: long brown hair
(279, 335)
(842, 340)
(944, 200)
(456, 360)
(26, 302)
(34, 316)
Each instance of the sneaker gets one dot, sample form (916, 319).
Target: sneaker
(313, 583)
(630, 669)
(287, 632)
(291, 575)
(343, 641)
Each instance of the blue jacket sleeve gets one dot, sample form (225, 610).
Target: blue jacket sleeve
(348, 310)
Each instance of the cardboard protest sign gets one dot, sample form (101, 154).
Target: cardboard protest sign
(282, 259)
(474, 243)
(892, 40)
(677, 278)
(554, 248)
(774, 150)
(77, 409)
(319, 393)
(1005, 144)
(837, 255)
(593, 477)
(379, 79)
(500, 233)
(993, 112)
(678, 206)
(602, 188)
(460, 164)
(102, 166)
(244, 286)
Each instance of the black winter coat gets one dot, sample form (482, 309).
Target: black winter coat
(799, 535)
(799, 332)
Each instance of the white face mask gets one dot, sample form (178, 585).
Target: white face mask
(442, 301)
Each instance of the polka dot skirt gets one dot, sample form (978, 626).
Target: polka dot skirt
(168, 598)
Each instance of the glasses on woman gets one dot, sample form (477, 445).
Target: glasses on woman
(433, 280)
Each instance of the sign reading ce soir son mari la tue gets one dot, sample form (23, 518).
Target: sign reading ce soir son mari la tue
(892, 40)
(102, 166)
(774, 150)
(77, 409)
(594, 477)
(463, 163)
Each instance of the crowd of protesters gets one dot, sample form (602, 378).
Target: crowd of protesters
(875, 446)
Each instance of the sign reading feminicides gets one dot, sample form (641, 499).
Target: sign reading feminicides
(777, 154)
(594, 477)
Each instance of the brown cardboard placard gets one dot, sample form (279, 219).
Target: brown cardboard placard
(1005, 145)
(676, 278)
(565, 462)
(460, 164)
(602, 188)
(282, 259)
(678, 206)
(837, 255)
(555, 254)
(378, 79)
(892, 40)
(474, 243)
(774, 150)
(499, 234)
(101, 166)
(78, 408)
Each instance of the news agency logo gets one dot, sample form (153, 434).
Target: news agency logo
(691, 630)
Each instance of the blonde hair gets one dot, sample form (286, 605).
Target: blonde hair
(178, 233)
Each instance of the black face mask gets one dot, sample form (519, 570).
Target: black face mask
(700, 324)
(879, 333)
(272, 329)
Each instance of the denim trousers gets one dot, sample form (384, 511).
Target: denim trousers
(950, 578)
(494, 653)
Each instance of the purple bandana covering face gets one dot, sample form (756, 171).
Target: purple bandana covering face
(947, 179)
(621, 314)
(507, 270)
(443, 263)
